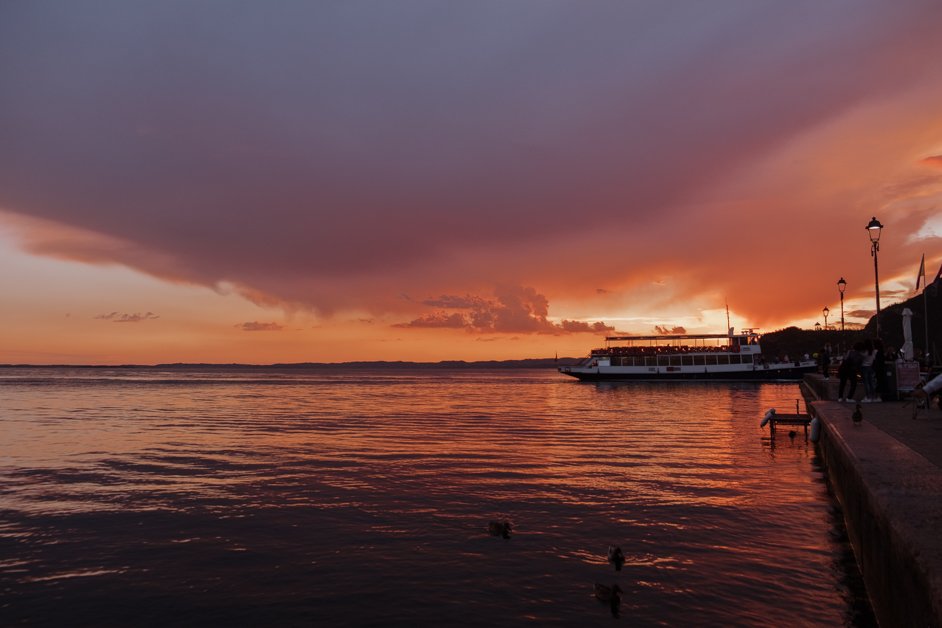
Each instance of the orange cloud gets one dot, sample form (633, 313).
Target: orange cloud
(934, 160)
(514, 309)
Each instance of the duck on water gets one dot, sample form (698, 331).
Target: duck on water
(684, 357)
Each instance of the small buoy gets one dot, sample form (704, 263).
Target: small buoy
(768, 417)
(815, 429)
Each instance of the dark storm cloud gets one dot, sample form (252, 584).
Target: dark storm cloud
(308, 150)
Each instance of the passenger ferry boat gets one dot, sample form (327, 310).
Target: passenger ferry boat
(732, 356)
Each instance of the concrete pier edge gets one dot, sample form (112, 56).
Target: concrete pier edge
(891, 497)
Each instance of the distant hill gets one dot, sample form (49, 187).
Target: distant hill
(528, 363)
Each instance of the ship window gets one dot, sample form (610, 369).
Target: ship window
(688, 360)
(698, 360)
(722, 359)
(675, 360)
(710, 360)
(650, 360)
(735, 359)
(662, 360)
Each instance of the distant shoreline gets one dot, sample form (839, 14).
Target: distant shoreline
(529, 363)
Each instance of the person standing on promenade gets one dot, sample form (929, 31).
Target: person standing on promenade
(866, 372)
(847, 372)
(824, 357)
(879, 370)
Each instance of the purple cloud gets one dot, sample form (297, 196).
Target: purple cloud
(582, 326)
(441, 320)
(256, 326)
(118, 317)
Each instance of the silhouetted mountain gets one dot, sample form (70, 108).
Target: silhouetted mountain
(528, 363)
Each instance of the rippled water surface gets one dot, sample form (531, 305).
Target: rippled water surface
(248, 497)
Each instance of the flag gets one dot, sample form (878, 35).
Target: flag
(922, 271)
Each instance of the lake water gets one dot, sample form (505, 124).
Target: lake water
(316, 497)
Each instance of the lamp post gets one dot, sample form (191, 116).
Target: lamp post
(841, 284)
(825, 311)
(873, 230)
(817, 326)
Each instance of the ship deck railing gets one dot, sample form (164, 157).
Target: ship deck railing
(665, 349)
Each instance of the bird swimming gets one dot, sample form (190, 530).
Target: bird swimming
(616, 557)
(500, 528)
(611, 594)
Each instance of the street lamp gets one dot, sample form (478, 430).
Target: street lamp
(841, 284)
(873, 230)
(826, 311)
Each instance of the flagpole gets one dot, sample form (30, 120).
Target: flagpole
(925, 313)
(925, 318)
(925, 304)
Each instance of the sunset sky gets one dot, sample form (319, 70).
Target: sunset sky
(221, 181)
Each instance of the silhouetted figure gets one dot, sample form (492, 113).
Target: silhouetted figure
(848, 371)
(824, 358)
(858, 414)
(500, 528)
(792, 434)
(611, 594)
(867, 372)
(616, 557)
(879, 371)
